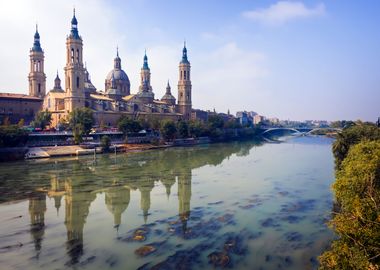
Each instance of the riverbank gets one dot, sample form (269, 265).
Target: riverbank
(20, 153)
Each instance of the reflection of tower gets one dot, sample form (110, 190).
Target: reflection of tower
(184, 197)
(56, 191)
(168, 181)
(37, 209)
(77, 209)
(117, 201)
(145, 200)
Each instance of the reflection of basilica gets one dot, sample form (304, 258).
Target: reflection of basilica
(79, 182)
(37, 209)
(117, 201)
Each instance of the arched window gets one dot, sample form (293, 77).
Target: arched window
(39, 88)
(68, 81)
(49, 103)
(35, 65)
(72, 55)
(184, 74)
(77, 82)
(77, 55)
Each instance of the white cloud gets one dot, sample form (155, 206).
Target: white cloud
(284, 11)
(228, 78)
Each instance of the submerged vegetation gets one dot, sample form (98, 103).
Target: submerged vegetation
(357, 193)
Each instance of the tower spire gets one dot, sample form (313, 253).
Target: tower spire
(145, 66)
(74, 27)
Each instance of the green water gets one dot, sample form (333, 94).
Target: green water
(235, 205)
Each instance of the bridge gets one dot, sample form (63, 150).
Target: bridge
(298, 131)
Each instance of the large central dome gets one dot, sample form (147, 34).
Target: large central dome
(120, 78)
(118, 74)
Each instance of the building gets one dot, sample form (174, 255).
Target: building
(19, 106)
(116, 99)
(257, 119)
(108, 105)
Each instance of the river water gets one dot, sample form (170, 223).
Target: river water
(239, 205)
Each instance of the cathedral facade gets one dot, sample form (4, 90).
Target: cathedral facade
(116, 99)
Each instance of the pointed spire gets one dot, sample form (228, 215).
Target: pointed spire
(36, 43)
(168, 88)
(74, 27)
(57, 82)
(184, 54)
(145, 66)
(117, 60)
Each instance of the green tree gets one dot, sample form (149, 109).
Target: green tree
(183, 129)
(168, 130)
(215, 121)
(80, 121)
(105, 143)
(12, 136)
(83, 118)
(197, 129)
(126, 125)
(351, 136)
(357, 192)
(42, 119)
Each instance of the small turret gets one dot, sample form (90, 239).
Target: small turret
(168, 97)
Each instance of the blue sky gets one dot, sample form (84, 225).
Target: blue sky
(287, 59)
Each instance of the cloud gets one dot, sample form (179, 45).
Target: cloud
(228, 78)
(283, 12)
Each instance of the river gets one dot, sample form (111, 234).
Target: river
(241, 205)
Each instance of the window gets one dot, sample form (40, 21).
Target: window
(49, 103)
(184, 74)
(77, 56)
(77, 82)
(39, 88)
(72, 55)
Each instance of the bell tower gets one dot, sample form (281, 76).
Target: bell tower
(74, 69)
(184, 86)
(37, 77)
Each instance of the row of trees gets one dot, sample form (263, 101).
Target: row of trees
(356, 219)
(215, 128)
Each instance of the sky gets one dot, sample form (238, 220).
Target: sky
(295, 60)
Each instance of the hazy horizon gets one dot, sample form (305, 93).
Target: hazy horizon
(293, 60)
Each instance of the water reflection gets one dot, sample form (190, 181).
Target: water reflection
(224, 213)
(78, 181)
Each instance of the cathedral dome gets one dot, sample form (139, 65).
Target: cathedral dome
(118, 74)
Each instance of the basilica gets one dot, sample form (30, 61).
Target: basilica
(116, 99)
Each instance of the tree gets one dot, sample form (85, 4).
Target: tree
(42, 119)
(126, 125)
(357, 192)
(183, 129)
(351, 136)
(63, 124)
(197, 129)
(168, 130)
(81, 118)
(12, 136)
(105, 143)
(216, 121)
(21, 123)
